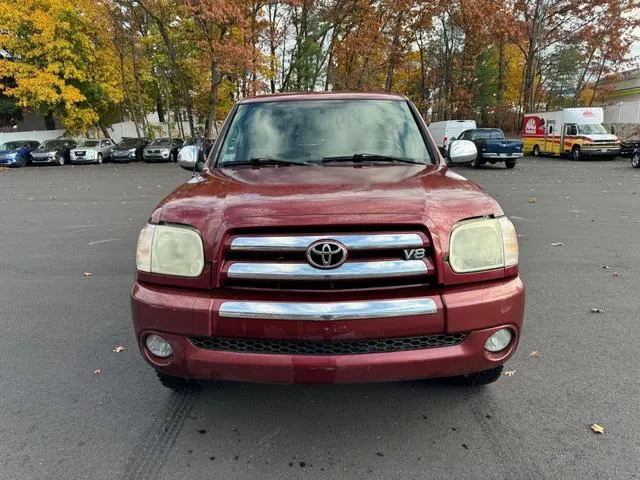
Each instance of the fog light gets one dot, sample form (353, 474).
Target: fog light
(158, 346)
(499, 340)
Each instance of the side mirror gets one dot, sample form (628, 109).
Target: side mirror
(462, 151)
(188, 158)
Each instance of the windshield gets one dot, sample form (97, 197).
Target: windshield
(310, 130)
(11, 146)
(52, 144)
(161, 141)
(89, 143)
(591, 129)
(194, 141)
(129, 143)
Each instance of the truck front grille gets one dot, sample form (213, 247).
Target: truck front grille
(285, 347)
(280, 261)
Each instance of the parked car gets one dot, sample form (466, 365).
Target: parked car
(446, 131)
(493, 147)
(628, 147)
(162, 150)
(325, 241)
(635, 158)
(17, 153)
(92, 151)
(129, 149)
(56, 152)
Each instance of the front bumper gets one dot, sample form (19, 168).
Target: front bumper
(49, 159)
(9, 162)
(179, 314)
(600, 151)
(75, 159)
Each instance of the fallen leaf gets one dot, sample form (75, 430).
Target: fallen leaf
(532, 200)
(97, 371)
(615, 274)
(557, 244)
(87, 274)
(509, 373)
(597, 428)
(535, 354)
(606, 267)
(119, 349)
(597, 310)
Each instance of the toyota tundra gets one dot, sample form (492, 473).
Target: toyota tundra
(325, 240)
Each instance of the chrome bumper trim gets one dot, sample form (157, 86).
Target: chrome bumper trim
(352, 242)
(329, 311)
(303, 271)
(506, 157)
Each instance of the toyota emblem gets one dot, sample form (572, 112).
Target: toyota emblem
(326, 254)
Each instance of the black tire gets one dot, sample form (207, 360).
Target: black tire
(576, 154)
(482, 378)
(476, 163)
(99, 159)
(61, 160)
(536, 151)
(510, 163)
(177, 384)
(635, 160)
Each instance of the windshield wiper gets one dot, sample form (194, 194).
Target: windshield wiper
(261, 161)
(370, 157)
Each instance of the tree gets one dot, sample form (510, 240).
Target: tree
(60, 63)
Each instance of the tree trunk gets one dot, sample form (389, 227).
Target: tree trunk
(213, 100)
(49, 121)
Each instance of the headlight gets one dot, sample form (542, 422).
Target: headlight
(483, 244)
(170, 250)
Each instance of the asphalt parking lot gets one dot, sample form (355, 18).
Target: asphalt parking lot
(59, 419)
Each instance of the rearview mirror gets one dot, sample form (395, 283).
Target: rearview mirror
(188, 158)
(462, 151)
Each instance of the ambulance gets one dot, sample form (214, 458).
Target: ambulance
(571, 132)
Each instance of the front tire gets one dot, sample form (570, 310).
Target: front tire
(635, 160)
(61, 160)
(99, 160)
(576, 154)
(177, 384)
(476, 163)
(482, 378)
(510, 163)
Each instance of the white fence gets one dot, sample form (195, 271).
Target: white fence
(38, 135)
(117, 131)
(624, 112)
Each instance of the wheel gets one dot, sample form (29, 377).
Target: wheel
(177, 384)
(99, 161)
(536, 151)
(635, 160)
(482, 378)
(60, 159)
(174, 157)
(510, 163)
(23, 161)
(576, 154)
(476, 163)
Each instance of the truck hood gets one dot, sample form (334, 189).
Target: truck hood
(600, 137)
(324, 196)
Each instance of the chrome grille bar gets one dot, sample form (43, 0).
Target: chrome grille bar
(375, 241)
(329, 311)
(349, 270)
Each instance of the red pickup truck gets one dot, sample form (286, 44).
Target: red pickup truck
(325, 240)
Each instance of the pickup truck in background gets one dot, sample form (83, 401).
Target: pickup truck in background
(493, 147)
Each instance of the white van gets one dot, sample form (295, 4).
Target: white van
(444, 132)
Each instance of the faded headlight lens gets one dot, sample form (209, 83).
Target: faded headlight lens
(170, 250)
(483, 244)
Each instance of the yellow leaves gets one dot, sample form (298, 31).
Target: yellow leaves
(119, 349)
(597, 428)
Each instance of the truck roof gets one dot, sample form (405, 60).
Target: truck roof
(284, 97)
